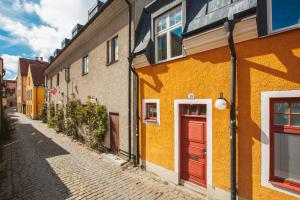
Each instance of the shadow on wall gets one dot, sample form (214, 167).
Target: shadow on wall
(270, 63)
(27, 170)
(156, 86)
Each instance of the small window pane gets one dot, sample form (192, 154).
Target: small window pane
(287, 159)
(281, 107)
(202, 110)
(295, 120)
(175, 18)
(161, 24)
(295, 106)
(285, 13)
(185, 109)
(193, 110)
(281, 119)
(176, 42)
(116, 48)
(162, 47)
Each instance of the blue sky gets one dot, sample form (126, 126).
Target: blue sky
(35, 28)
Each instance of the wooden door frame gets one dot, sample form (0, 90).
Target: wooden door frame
(177, 150)
(110, 133)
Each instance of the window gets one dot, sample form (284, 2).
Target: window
(57, 79)
(168, 30)
(151, 111)
(85, 65)
(283, 14)
(285, 142)
(112, 50)
(67, 74)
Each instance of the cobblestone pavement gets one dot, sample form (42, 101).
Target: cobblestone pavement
(40, 164)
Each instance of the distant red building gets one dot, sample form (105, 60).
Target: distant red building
(10, 97)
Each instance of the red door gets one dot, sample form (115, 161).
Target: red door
(114, 132)
(193, 144)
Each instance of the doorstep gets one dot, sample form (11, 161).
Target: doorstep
(116, 159)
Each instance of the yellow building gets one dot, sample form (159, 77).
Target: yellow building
(35, 89)
(185, 97)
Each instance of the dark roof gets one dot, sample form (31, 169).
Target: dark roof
(37, 73)
(201, 16)
(24, 63)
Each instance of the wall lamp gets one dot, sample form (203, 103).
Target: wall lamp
(221, 103)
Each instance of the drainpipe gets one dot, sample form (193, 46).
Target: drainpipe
(229, 27)
(36, 103)
(129, 78)
(131, 70)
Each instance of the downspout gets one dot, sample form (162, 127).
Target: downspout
(129, 78)
(131, 70)
(229, 27)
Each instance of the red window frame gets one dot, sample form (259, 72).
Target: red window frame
(285, 129)
(149, 115)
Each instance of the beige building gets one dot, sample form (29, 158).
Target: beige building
(95, 62)
(10, 97)
(22, 81)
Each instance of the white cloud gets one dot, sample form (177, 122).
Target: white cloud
(11, 63)
(59, 18)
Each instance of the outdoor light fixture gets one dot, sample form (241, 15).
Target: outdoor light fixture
(221, 103)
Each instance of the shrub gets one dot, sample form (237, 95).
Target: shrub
(72, 117)
(43, 113)
(51, 116)
(8, 127)
(60, 121)
(95, 117)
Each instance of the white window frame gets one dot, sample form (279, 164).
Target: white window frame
(87, 65)
(168, 32)
(265, 137)
(270, 21)
(144, 111)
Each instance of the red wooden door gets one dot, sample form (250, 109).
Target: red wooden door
(193, 144)
(114, 132)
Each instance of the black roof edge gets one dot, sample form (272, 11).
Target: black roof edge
(102, 8)
(219, 23)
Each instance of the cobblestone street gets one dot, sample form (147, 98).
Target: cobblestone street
(40, 164)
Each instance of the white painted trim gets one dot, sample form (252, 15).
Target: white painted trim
(209, 154)
(244, 30)
(140, 61)
(164, 173)
(144, 110)
(265, 137)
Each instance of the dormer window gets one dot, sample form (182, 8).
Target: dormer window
(168, 39)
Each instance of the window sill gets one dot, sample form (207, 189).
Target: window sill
(289, 186)
(283, 30)
(151, 121)
(111, 63)
(169, 59)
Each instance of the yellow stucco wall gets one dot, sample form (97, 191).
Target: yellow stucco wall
(33, 105)
(265, 64)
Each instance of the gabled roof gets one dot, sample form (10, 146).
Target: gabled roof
(24, 63)
(37, 73)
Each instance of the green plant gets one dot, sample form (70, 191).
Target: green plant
(60, 120)
(51, 116)
(43, 113)
(8, 128)
(95, 117)
(73, 113)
